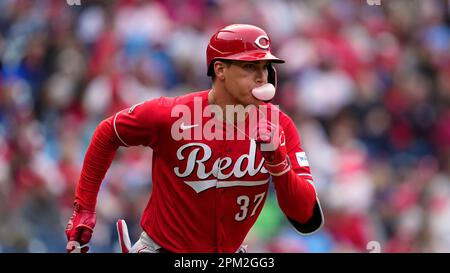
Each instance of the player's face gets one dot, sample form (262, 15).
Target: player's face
(241, 77)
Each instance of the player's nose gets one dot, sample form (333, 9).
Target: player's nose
(261, 76)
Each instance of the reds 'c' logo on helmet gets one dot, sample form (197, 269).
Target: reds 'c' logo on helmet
(262, 42)
(239, 42)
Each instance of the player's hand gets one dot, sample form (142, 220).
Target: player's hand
(79, 229)
(271, 142)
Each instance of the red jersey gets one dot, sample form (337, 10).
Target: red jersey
(207, 192)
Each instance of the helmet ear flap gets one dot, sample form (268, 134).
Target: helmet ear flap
(272, 75)
(210, 71)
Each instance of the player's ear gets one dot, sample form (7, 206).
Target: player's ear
(219, 69)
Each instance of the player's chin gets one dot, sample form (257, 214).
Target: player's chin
(257, 102)
(249, 99)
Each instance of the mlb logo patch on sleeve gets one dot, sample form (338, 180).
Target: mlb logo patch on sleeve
(301, 159)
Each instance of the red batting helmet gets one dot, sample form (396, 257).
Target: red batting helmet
(239, 42)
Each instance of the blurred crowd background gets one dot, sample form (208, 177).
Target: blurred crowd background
(367, 85)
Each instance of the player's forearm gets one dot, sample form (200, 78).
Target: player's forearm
(98, 158)
(296, 196)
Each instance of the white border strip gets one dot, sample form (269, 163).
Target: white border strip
(202, 185)
(226, 184)
(115, 129)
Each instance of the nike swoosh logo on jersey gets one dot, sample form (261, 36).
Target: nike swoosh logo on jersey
(185, 127)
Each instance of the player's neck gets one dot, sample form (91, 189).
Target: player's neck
(221, 98)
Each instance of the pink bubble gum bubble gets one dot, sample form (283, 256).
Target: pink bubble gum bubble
(264, 93)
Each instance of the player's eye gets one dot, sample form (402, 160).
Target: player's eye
(249, 66)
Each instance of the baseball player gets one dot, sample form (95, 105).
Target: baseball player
(211, 173)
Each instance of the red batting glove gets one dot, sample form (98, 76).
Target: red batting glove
(271, 142)
(79, 229)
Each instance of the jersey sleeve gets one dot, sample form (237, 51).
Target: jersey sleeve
(139, 124)
(297, 156)
(301, 169)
